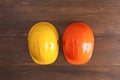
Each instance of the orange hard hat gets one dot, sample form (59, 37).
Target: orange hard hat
(78, 43)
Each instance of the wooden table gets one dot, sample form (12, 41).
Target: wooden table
(18, 16)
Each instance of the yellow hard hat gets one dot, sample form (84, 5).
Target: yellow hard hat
(43, 43)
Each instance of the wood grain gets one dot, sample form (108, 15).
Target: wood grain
(61, 72)
(57, 3)
(18, 16)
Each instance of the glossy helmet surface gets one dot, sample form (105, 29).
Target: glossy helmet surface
(78, 43)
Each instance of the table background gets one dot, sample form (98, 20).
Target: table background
(18, 16)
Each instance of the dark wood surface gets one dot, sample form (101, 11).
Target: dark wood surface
(18, 16)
